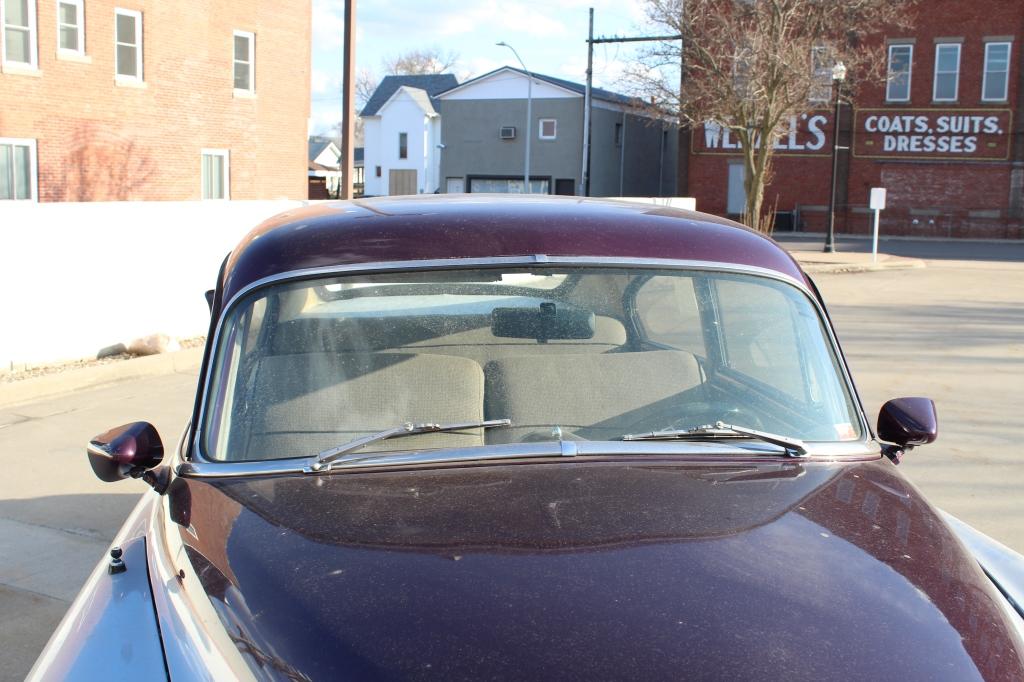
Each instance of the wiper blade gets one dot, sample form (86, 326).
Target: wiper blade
(794, 446)
(407, 429)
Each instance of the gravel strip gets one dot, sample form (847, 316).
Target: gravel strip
(57, 368)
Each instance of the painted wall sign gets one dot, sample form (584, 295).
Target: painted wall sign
(808, 135)
(932, 133)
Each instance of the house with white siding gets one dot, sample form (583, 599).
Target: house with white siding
(402, 135)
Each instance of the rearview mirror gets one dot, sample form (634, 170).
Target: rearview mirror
(907, 423)
(128, 450)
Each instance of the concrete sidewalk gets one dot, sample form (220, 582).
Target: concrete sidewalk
(816, 262)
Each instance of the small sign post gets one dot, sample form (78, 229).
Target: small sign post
(876, 203)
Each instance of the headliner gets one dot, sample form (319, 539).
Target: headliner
(433, 227)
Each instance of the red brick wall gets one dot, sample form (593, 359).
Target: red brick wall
(98, 141)
(926, 197)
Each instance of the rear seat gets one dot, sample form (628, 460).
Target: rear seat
(596, 397)
(315, 401)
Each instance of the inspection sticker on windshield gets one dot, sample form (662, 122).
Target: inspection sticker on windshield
(844, 431)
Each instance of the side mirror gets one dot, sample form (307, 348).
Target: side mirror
(128, 450)
(907, 423)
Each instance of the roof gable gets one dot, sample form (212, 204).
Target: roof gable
(565, 86)
(431, 84)
(418, 96)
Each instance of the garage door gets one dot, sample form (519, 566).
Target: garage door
(402, 182)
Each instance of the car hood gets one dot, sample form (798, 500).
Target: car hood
(636, 569)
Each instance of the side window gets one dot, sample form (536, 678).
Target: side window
(997, 72)
(901, 58)
(947, 72)
(759, 335)
(667, 310)
(243, 59)
(19, 33)
(70, 27)
(127, 45)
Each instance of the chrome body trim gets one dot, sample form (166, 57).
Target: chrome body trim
(1003, 566)
(725, 452)
(110, 631)
(196, 645)
(510, 261)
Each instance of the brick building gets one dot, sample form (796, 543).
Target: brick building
(104, 100)
(944, 136)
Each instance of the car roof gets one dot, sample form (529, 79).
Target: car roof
(432, 227)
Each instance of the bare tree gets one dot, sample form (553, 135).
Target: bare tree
(421, 61)
(414, 62)
(753, 66)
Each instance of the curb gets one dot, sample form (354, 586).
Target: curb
(29, 390)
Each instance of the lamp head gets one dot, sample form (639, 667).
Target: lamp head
(839, 72)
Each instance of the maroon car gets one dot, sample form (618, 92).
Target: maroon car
(476, 438)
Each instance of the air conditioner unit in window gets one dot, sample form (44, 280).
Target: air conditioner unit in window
(508, 132)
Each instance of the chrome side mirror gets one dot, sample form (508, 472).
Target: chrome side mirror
(906, 423)
(127, 451)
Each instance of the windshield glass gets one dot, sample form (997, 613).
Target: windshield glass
(577, 353)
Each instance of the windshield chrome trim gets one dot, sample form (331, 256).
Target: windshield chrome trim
(718, 451)
(515, 261)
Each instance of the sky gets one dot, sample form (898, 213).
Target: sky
(550, 37)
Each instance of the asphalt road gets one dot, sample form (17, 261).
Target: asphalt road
(953, 331)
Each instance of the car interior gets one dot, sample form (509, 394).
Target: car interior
(313, 367)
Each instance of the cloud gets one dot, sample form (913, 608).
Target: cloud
(328, 23)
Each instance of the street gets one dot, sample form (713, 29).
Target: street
(953, 331)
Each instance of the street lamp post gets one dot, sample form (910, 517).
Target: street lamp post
(838, 76)
(529, 114)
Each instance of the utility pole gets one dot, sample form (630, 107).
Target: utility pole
(589, 103)
(585, 173)
(348, 89)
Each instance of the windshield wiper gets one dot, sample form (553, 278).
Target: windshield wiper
(406, 429)
(794, 446)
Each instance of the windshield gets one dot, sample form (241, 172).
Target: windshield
(566, 353)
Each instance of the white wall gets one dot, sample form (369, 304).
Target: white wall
(372, 185)
(402, 114)
(77, 277)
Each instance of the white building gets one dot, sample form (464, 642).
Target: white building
(402, 135)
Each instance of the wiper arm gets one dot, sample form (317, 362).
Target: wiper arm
(406, 429)
(794, 446)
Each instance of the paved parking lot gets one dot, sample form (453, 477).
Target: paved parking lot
(953, 331)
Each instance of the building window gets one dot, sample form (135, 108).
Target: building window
(995, 84)
(70, 27)
(17, 170)
(618, 134)
(128, 44)
(403, 145)
(947, 72)
(548, 129)
(245, 59)
(215, 174)
(19, 22)
(901, 59)
(821, 76)
(377, 171)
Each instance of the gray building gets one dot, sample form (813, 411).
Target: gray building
(483, 128)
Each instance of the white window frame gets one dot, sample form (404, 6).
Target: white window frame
(33, 39)
(939, 47)
(80, 15)
(252, 61)
(226, 155)
(540, 129)
(33, 163)
(137, 16)
(985, 71)
(889, 72)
